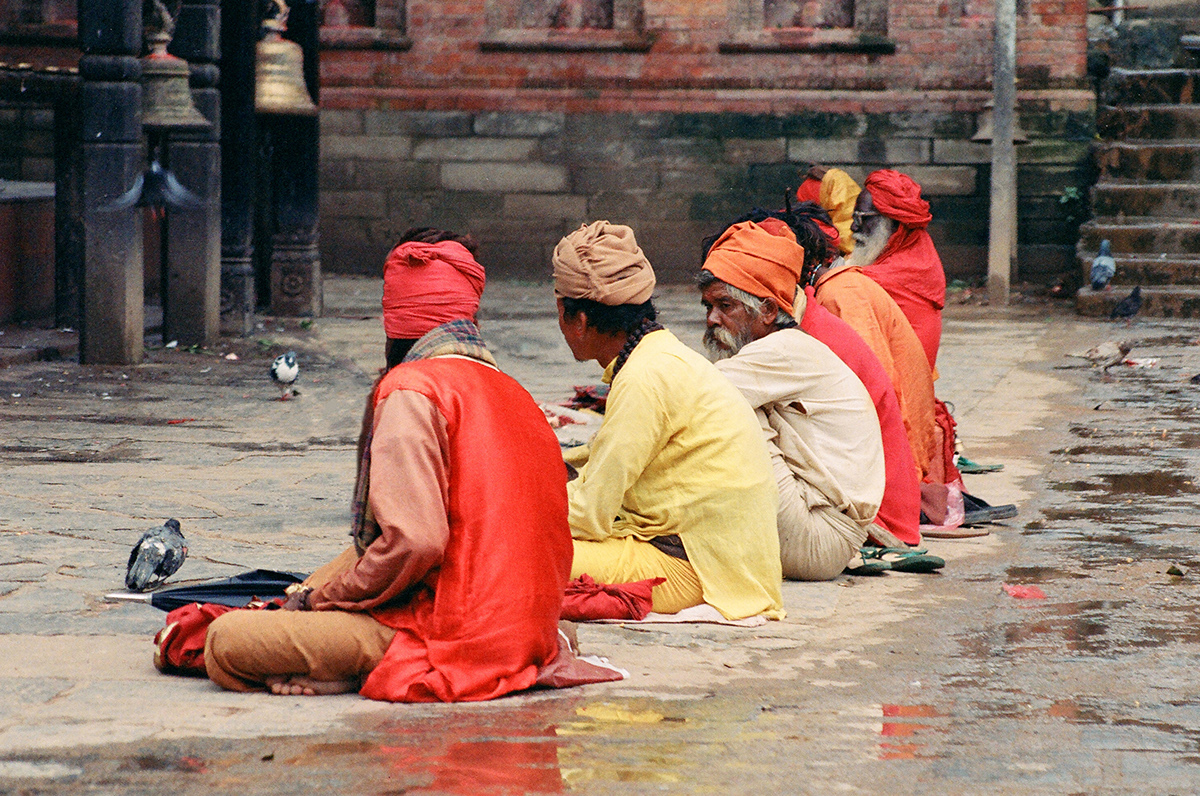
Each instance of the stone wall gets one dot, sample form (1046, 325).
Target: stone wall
(683, 116)
(519, 181)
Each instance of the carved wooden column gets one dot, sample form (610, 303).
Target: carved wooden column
(110, 35)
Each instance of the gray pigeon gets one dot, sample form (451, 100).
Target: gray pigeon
(157, 556)
(284, 371)
(1103, 267)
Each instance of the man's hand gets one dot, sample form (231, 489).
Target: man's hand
(298, 600)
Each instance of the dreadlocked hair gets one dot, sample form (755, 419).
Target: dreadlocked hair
(435, 235)
(634, 320)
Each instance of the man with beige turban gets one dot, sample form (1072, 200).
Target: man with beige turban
(817, 417)
(677, 483)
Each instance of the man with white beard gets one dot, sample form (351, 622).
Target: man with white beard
(894, 248)
(818, 419)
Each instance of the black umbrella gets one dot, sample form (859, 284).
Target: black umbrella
(262, 584)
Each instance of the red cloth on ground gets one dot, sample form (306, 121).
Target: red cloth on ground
(909, 267)
(486, 622)
(428, 284)
(586, 599)
(900, 510)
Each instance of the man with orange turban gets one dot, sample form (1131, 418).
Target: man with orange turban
(894, 248)
(453, 588)
(677, 483)
(819, 422)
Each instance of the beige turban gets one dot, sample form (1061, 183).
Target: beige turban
(602, 262)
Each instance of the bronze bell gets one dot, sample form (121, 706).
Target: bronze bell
(279, 87)
(166, 98)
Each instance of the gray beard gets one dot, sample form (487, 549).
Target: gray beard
(867, 249)
(720, 344)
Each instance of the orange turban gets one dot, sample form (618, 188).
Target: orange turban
(898, 196)
(763, 264)
(428, 284)
(602, 262)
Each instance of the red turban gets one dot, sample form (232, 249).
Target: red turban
(428, 284)
(898, 196)
(752, 259)
(809, 191)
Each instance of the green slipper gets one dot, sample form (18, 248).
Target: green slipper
(903, 559)
(868, 567)
(969, 467)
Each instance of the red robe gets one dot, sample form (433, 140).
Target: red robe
(900, 510)
(485, 621)
(910, 270)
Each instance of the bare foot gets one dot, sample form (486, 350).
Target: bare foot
(297, 685)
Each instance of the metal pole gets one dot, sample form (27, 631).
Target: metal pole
(1003, 221)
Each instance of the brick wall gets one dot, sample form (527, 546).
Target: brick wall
(679, 134)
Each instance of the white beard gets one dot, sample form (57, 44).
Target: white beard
(867, 248)
(720, 344)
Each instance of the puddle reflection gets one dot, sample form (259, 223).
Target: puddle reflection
(906, 750)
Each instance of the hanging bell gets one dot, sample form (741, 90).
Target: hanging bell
(987, 123)
(279, 87)
(166, 98)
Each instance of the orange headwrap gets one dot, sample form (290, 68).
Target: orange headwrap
(763, 264)
(898, 196)
(428, 284)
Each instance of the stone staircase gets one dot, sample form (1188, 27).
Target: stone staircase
(1146, 200)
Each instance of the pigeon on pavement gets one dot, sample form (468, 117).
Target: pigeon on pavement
(284, 371)
(1128, 307)
(1108, 353)
(157, 556)
(1103, 267)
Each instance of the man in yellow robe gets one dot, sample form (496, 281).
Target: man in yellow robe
(677, 483)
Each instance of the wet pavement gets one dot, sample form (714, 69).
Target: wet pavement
(903, 683)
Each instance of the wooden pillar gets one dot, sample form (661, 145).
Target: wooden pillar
(240, 26)
(295, 259)
(110, 35)
(192, 279)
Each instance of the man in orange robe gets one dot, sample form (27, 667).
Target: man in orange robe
(894, 248)
(857, 300)
(462, 548)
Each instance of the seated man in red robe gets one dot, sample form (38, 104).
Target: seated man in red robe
(894, 248)
(453, 589)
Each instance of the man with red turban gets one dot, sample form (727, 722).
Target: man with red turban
(817, 418)
(453, 588)
(894, 248)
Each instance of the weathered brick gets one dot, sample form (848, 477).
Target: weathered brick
(822, 150)
(753, 150)
(503, 177)
(943, 180)
(337, 174)
(518, 124)
(948, 151)
(474, 149)
(1054, 152)
(545, 205)
(370, 147)
(356, 204)
(37, 169)
(429, 123)
(396, 174)
(337, 122)
(590, 180)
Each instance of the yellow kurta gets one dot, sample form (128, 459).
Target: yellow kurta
(680, 452)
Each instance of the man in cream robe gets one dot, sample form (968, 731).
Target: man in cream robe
(818, 419)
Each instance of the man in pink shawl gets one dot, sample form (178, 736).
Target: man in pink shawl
(894, 248)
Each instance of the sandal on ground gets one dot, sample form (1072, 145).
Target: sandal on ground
(965, 465)
(903, 559)
(979, 511)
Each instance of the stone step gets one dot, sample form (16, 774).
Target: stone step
(1148, 122)
(1176, 161)
(1142, 236)
(1160, 200)
(1157, 302)
(1147, 269)
(1151, 87)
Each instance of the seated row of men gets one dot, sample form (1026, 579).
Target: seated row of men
(813, 431)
